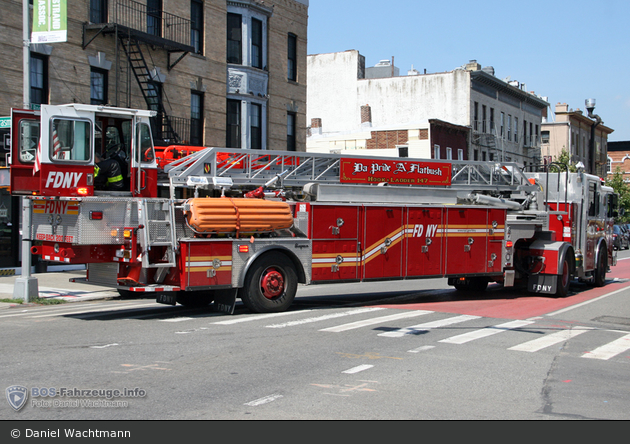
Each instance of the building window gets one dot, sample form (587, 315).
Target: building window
(509, 127)
(545, 136)
(403, 151)
(98, 86)
(154, 17)
(39, 79)
(516, 129)
(449, 153)
(196, 118)
(291, 131)
(196, 25)
(233, 127)
(98, 11)
(234, 39)
(492, 120)
(436, 152)
(502, 125)
(476, 116)
(460, 154)
(257, 44)
(483, 117)
(292, 57)
(256, 126)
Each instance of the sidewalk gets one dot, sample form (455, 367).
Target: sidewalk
(56, 284)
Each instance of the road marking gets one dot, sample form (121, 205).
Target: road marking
(176, 319)
(421, 349)
(549, 340)
(358, 369)
(262, 316)
(358, 324)
(484, 332)
(264, 400)
(89, 311)
(325, 317)
(587, 302)
(427, 326)
(103, 346)
(609, 350)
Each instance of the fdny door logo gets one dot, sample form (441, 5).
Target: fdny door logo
(59, 179)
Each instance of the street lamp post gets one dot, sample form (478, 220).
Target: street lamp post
(590, 107)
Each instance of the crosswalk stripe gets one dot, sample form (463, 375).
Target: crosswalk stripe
(549, 340)
(325, 317)
(484, 332)
(609, 350)
(260, 316)
(427, 326)
(366, 322)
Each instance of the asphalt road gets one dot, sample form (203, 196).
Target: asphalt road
(415, 350)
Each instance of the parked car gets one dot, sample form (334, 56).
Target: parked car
(620, 238)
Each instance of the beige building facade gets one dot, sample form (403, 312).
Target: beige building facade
(218, 72)
(571, 131)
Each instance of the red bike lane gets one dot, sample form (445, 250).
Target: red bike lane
(503, 303)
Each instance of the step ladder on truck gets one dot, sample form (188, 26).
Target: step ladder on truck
(221, 224)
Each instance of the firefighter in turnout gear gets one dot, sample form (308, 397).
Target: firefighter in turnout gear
(108, 174)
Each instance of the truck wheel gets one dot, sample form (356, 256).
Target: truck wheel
(564, 279)
(270, 284)
(599, 275)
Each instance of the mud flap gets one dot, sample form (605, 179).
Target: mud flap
(225, 300)
(542, 283)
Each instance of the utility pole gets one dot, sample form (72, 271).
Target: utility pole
(25, 287)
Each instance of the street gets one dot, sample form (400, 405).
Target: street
(422, 351)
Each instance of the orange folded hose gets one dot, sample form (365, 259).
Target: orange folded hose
(237, 215)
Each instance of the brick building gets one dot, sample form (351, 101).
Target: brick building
(218, 72)
(619, 159)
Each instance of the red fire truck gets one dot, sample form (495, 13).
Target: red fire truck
(201, 225)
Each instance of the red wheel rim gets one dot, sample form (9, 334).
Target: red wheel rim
(272, 283)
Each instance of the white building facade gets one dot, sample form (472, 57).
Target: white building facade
(504, 119)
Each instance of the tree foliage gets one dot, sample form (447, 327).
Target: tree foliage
(623, 190)
(565, 159)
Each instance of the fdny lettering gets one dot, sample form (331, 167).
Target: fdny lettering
(542, 288)
(52, 207)
(58, 179)
(418, 230)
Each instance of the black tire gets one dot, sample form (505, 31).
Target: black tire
(564, 279)
(194, 299)
(270, 284)
(599, 275)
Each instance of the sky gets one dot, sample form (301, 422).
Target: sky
(565, 50)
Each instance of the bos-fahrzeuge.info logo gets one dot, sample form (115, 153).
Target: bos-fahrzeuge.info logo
(46, 397)
(17, 396)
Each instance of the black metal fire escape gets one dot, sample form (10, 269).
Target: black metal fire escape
(136, 26)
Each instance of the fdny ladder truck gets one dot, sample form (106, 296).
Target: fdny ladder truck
(199, 225)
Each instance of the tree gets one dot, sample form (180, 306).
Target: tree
(623, 190)
(565, 159)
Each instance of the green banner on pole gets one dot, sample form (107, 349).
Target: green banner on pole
(50, 21)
